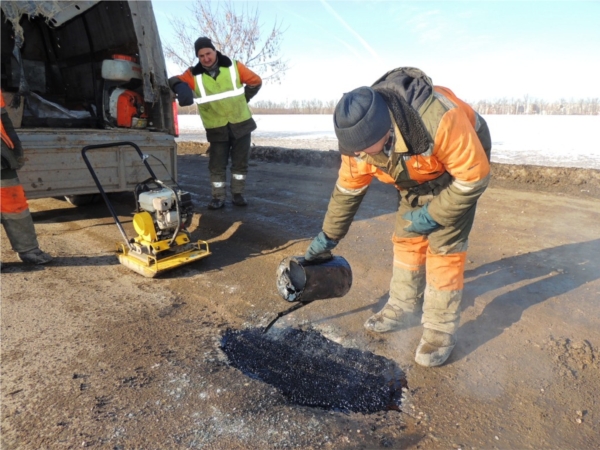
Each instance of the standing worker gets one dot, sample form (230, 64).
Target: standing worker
(435, 149)
(16, 218)
(222, 88)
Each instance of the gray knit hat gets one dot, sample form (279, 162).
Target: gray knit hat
(203, 42)
(361, 118)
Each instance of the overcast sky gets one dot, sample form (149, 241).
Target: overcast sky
(479, 49)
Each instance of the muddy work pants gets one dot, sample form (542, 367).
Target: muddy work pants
(218, 157)
(428, 271)
(16, 218)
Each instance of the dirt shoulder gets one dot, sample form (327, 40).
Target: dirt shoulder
(97, 356)
(558, 180)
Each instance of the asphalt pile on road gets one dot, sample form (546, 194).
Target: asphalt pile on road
(311, 370)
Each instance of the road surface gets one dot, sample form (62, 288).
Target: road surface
(97, 356)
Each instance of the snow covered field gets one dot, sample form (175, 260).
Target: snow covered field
(557, 141)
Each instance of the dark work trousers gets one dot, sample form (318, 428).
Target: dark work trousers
(218, 157)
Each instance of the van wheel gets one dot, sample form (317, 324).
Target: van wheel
(81, 199)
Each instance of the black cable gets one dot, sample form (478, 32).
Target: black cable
(166, 170)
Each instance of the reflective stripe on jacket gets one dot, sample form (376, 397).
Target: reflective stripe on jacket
(456, 151)
(221, 100)
(235, 90)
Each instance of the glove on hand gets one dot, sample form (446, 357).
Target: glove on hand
(185, 96)
(320, 248)
(420, 221)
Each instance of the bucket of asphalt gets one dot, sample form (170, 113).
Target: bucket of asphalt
(299, 280)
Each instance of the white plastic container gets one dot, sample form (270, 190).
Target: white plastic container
(120, 70)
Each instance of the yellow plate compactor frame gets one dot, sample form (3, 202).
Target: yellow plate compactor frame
(153, 251)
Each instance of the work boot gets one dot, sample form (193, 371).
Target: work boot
(239, 200)
(216, 203)
(435, 348)
(390, 318)
(35, 256)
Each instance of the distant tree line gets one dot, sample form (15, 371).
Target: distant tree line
(525, 105)
(294, 107)
(269, 107)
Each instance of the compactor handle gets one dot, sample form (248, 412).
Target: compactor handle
(144, 159)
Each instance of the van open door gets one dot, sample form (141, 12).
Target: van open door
(79, 73)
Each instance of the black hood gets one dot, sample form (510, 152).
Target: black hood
(411, 83)
(405, 90)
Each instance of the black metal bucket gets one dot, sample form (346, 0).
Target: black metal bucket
(302, 281)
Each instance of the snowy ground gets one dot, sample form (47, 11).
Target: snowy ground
(557, 141)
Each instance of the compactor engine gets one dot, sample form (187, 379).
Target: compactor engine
(162, 213)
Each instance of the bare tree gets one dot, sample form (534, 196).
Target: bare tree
(237, 34)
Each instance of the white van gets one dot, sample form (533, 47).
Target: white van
(81, 73)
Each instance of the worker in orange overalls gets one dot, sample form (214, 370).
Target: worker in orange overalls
(435, 149)
(16, 218)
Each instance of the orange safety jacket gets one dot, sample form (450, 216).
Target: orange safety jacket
(454, 171)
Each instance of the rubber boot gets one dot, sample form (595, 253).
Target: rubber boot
(239, 200)
(238, 186)
(216, 203)
(435, 348)
(218, 195)
(35, 256)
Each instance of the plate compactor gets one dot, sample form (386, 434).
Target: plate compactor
(161, 220)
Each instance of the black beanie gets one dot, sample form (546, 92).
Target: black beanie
(203, 42)
(361, 118)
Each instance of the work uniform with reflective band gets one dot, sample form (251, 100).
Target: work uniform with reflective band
(450, 175)
(221, 100)
(14, 210)
(223, 107)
